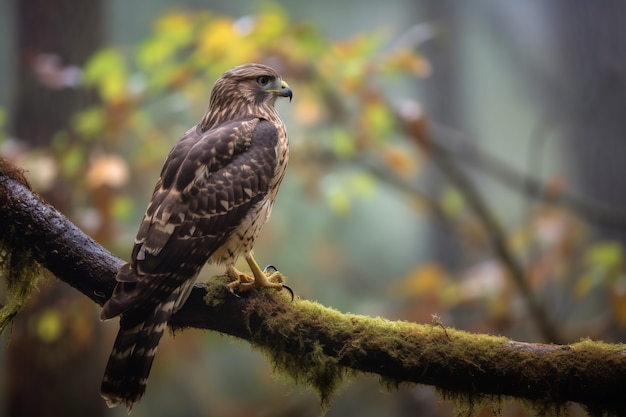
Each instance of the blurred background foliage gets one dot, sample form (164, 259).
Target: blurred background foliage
(443, 167)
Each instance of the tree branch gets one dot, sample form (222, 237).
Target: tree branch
(469, 153)
(319, 346)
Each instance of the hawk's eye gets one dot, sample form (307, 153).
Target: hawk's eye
(263, 80)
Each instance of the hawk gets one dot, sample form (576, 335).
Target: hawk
(215, 193)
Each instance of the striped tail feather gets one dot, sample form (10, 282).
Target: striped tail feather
(129, 364)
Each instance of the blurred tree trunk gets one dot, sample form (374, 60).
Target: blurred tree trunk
(590, 43)
(51, 35)
(54, 342)
(441, 92)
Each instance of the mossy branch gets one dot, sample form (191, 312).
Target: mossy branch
(320, 346)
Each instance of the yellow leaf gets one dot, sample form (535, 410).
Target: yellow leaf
(379, 120)
(269, 25)
(177, 27)
(399, 160)
(308, 110)
(217, 37)
(426, 279)
(49, 326)
(405, 60)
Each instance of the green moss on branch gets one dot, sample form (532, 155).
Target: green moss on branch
(320, 346)
(19, 269)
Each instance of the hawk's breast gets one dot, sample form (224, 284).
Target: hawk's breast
(242, 239)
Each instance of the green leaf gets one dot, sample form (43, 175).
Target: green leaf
(123, 207)
(604, 262)
(154, 52)
(106, 70)
(452, 202)
(72, 160)
(380, 120)
(176, 27)
(90, 122)
(339, 201)
(607, 254)
(343, 143)
(362, 184)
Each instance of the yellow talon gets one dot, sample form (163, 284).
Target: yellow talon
(260, 279)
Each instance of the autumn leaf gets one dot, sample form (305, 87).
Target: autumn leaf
(406, 61)
(423, 280)
(399, 160)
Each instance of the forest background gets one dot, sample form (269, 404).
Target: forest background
(462, 160)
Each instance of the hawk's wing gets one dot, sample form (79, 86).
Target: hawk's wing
(208, 183)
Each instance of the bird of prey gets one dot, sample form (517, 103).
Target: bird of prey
(215, 192)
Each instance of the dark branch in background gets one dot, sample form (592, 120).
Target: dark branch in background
(318, 345)
(463, 150)
(418, 130)
(498, 239)
(382, 172)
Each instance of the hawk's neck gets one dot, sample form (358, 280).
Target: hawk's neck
(216, 115)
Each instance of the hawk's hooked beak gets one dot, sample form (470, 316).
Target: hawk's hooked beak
(283, 91)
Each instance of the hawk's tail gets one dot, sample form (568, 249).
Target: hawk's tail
(129, 365)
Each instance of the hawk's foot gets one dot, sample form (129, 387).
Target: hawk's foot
(237, 278)
(266, 278)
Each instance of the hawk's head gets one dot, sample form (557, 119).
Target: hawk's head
(255, 84)
(249, 89)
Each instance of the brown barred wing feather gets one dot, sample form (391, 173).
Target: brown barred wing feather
(201, 196)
